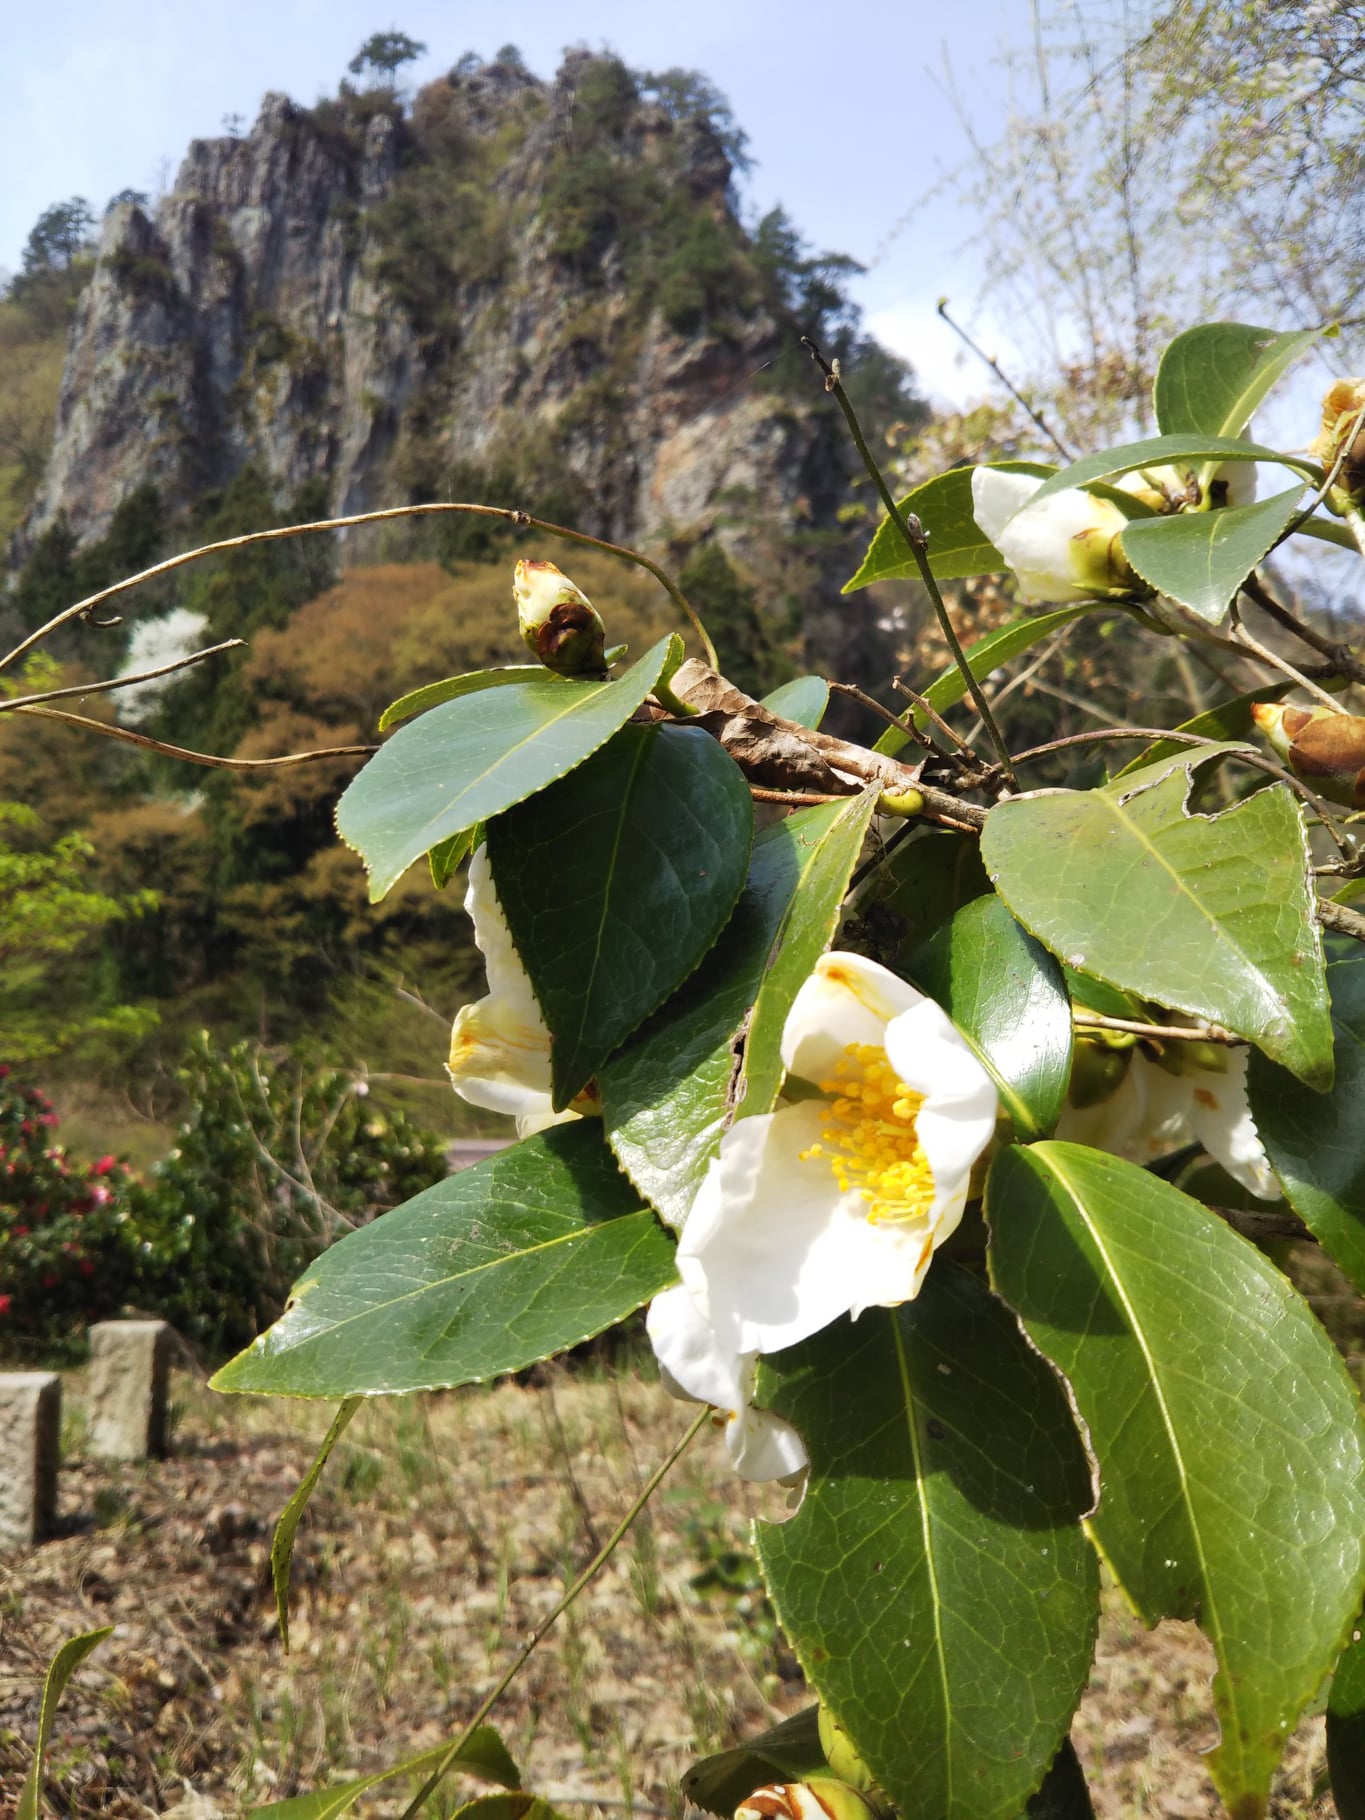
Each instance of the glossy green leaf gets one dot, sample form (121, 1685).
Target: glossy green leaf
(1164, 451)
(921, 884)
(957, 544)
(526, 1254)
(431, 695)
(473, 758)
(1006, 994)
(448, 856)
(788, 1752)
(806, 932)
(803, 699)
(1229, 721)
(485, 1755)
(1207, 914)
(1316, 1141)
(935, 1582)
(282, 1542)
(1212, 377)
(1346, 1728)
(670, 1092)
(60, 1670)
(990, 653)
(1201, 559)
(1064, 1794)
(515, 1805)
(1226, 1427)
(616, 882)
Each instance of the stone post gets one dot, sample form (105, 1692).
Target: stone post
(30, 1441)
(129, 1368)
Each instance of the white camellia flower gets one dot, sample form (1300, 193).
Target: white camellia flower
(499, 1045)
(693, 1366)
(836, 1203)
(1154, 1111)
(1064, 548)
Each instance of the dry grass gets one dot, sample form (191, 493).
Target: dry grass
(442, 1533)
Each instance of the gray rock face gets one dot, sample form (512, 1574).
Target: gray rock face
(30, 1437)
(129, 1377)
(265, 313)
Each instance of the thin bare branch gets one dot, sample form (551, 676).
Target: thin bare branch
(1179, 1033)
(1340, 656)
(1005, 380)
(931, 714)
(522, 521)
(8, 704)
(1240, 636)
(129, 737)
(916, 541)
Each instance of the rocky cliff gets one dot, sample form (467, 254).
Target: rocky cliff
(536, 293)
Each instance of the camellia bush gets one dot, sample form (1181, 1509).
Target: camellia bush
(934, 1116)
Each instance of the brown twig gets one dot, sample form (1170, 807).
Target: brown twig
(1098, 738)
(794, 799)
(522, 521)
(1257, 1224)
(8, 703)
(149, 744)
(1338, 655)
(916, 541)
(1240, 636)
(1005, 381)
(932, 715)
(869, 702)
(1339, 918)
(1181, 1033)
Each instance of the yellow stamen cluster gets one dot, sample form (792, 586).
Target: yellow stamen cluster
(869, 1139)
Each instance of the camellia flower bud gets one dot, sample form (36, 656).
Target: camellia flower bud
(1344, 430)
(559, 624)
(819, 1798)
(1326, 750)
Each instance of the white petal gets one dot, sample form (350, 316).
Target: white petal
(997, 496)
(1059, 549)
(957, 1119)
(507, 978)
(499, 1045)
(497, 1060)
(542, 1117)
(763, 1446)
(1165, 1110)
(693, 1365)
(1242, 478)
(1113, 1123)
(847, 1000)
(1220, 1117)
(691, 1360)
(774, 1251)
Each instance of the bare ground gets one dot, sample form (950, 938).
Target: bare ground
(441, 1534)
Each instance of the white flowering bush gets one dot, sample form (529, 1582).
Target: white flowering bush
(934, 1116)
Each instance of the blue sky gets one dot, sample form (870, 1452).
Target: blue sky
(848, 114)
